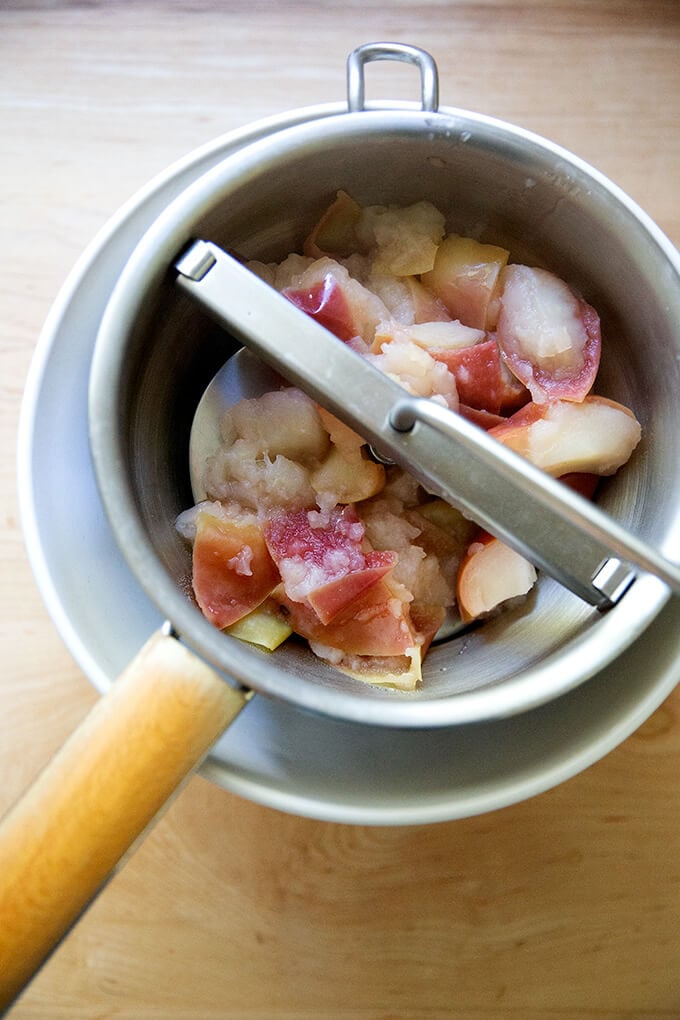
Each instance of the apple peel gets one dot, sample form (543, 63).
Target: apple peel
(233, 572)
(549, 338)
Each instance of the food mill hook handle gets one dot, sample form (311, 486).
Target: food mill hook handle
(429, 76)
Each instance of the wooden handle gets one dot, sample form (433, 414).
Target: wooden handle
(99, 793)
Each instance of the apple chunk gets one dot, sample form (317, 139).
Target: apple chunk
(438, 335)
(465, 277)
(375, 623)
(427, 307)
(402, 672)
(232, 571)
(264, 626)
(350, 478)
(281, 422)
(402, 241)
(482, 379)
(335, 233)
(321, 560)
(550, 339)
(491, 574)
(327, 292)
(594, 437)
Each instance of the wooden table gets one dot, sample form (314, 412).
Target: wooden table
(565, 906)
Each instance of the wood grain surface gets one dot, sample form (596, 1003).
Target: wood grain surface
(565, 906)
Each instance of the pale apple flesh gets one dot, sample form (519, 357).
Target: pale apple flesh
(491, 575)
(233, 572)
(466, 278)
(550, 339)
(596, 436)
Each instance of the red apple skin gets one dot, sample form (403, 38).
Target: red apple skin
(514, 430)
(485, 419)
(224, 592)
(482, 379)
(327, 304)
(376, 623)
(331, 599)
(550, 339)
(330, 567)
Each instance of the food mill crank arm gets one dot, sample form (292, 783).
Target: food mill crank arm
(554, 527)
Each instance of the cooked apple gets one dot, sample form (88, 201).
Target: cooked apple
(403, 241)
(416, 370)
(282, 422)
(325, 301)
(306, 533)
(233, 572)
(427, 307)
(482, 380)
(349, 477)
(327, 292)
(335, 233)
(465, 276)
(240, 473)
(491, 574)
(448, 519)
(549, 338)
(435, 336)
(376, 623)
(594, 437)
(321, 559)
(264, 626)
(341, 435)
(403, 672)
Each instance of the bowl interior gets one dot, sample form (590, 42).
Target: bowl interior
(157, 352)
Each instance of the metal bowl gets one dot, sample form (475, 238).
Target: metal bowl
(155, 354)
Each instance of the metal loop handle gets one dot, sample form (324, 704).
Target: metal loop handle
(429, 77)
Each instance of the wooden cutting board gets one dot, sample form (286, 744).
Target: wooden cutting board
(564, 906)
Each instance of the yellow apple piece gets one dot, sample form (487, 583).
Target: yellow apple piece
(449, 520)
(341, 435)
(491, 573)
(335, 232)
(596, 436)
(265, 626)
(466, 278)
(349, 477)
(427, 307)
(402, 672)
